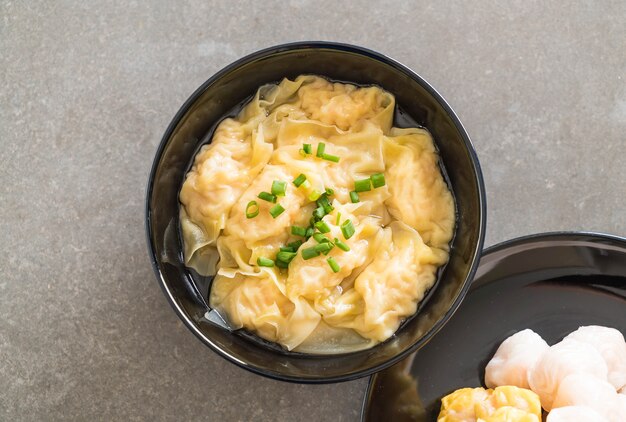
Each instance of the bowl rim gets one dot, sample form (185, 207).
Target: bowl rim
(563, 235)
(476, 171)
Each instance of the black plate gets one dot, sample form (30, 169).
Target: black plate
(552, 283)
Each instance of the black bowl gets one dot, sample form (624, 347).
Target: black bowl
(216, 98)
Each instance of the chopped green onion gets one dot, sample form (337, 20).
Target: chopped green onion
(338, 219)
(264, 262)
(279, 187)
(298, 231)
(347, 228)
(252, 209)
(378, 180)
(332, 158)
(307, 148)
(354, 197)
(320, 149)
(266, 196)
(302, 152)
(330, 191)
(299, 180)
(322, 226)
(306, 184)
(276, 210)
(282, 264)
(295, 244)
(323, 247)
(341, 245)
(333, 264)
(285, 256)
(323, 202)
(287, 249)
(362, 185)
(309, 253)
(320, 238)
(319, 213)
(314, 195)
(309, 232)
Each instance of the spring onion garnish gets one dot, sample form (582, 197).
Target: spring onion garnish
(319, 213)
(307, 148)
(309, 232)
(276, 210)
(347, 228)
(332, 158)
(309, 253)
(279, 187)
(344, 247)
(338, 219)
(354, 197)
(287, 249)
(298, 231)
(306, 184)
(282, 264)
(323, 247)
(314, 195)
(378, 180)
(333, 264)
(320, 149)
(285, 256)
(252, 209)
(299, 180)
(320, 238)
(323, 202)
(266, 196)
(295, 244)
(323, 227)
(362, 185)
(330, 191)
(264, 262)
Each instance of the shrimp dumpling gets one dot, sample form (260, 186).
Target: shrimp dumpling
(587, 390)
(514, 358)
(611, 345)
(563, 359)
(575, 414)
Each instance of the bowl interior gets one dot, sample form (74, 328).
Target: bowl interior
(233, 85)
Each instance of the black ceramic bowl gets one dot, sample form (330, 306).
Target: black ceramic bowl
(236, 83)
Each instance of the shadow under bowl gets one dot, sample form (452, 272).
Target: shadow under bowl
(219, 96)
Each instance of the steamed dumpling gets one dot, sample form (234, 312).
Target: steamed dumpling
(586, 390)
(503, 404)
(611, 345)
(575, 414)
(563, 359)
(514, 358)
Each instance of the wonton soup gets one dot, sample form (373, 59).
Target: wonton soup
(323, 224)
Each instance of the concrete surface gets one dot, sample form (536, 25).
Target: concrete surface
(86, 91)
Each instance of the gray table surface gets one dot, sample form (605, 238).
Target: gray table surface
(86, 91)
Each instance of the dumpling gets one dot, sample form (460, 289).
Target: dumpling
(394, 283)
(611, 345)
(514, 358)
(221, 173)
(504, 404)
(563, 359)
(587, 390)
(257, 302)
(256, 231)
(431, 208)
(461, 405)
(575, 414)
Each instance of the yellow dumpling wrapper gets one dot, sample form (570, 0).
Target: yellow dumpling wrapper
(503, 404)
